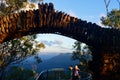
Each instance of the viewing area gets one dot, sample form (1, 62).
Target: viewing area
(61, 74)
(104, 42)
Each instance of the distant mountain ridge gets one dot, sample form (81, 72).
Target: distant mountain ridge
(62, 60)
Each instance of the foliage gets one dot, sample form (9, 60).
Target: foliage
(82, 53)
(11, 6)
(17, 50)
(19, 73)
(112, 19)
(77, 46)
(38, 59)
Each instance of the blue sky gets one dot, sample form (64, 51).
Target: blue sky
(90, 10)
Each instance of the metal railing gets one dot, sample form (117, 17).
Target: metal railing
(61, 74)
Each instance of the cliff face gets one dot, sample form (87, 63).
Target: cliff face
(46, 19)
(105, 66)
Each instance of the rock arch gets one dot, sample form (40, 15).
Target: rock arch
(104, 41)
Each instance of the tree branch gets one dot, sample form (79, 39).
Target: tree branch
(107, 5)
(118, 3)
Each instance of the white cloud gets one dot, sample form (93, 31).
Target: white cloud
(102, 15)
(55, 46)
(58, 41)
(71, 13)
(52, 43)
(56, 49)
(89, 17)
(99, 22)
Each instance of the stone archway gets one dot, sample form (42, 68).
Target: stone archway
(104, 41)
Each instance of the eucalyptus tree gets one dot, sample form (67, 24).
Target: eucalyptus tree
(112, 19)
(19, 73)
(16, 50)
(83, 54)
(12, 6)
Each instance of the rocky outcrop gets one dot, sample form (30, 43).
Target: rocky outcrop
(104, 41)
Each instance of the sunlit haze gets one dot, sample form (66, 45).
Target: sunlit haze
(56, 43)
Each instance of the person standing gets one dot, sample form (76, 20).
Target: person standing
(76, 75)
(70, 72)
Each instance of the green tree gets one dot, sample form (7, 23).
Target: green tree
(16, 50)
(77, 52)
(11, 6)
(83, 54)
(112, 19)
(19, 73)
